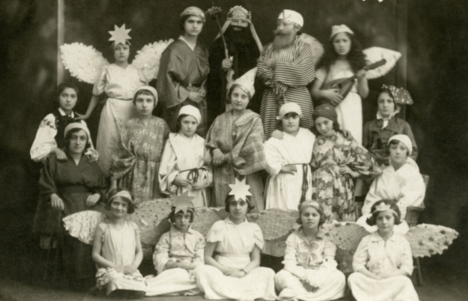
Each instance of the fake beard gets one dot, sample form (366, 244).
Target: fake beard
(242, 36)
(283, 40)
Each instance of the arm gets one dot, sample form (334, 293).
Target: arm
(406, 264)
(92, 104)
(209, 259)
(254, 260)
(274, 160)
(44, 143)
(362, 84)
(96, 254)
(290, 262)
(130, 269)
(168, 175)
(332, 95)
(301, 72)
(161, 253)
(361, 257)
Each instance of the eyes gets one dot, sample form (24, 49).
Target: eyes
(79, 137)
(239, 95)
(181, 216)
(68, 95)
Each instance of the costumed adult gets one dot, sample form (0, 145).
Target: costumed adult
(286, 67)
(244, 48)
(400, 181)
(183, 70)
(71, 186)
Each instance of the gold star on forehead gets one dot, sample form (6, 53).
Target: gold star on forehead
(119, 35)
(182, 203)
(240, 190)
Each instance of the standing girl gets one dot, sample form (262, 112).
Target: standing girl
(343, 59)
(183, 166)
(235, 140)
(136, 164)
(183, 71)
(232, 255)
(383, 263)
(119, 81)
(117, 249)
(336, 161)
(310, 271)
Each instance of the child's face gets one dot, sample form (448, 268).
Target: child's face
(193, 26)
(310, 218)
(188, 125)
(78, 141)
(342, 44)
(290, 123)
(118, 207)
(398, 153)
(182, 221)
(386, 104)
(385, 221)
(239, 99)
(67, 99)
(324, 126)
(238, 209)
(121, 53)
(144, 104)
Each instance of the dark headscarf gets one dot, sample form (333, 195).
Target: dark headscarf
(326, 110)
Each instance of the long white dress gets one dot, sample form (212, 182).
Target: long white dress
(382, 257)
(185, 156)
(234, 243)
(175, 245)
(314, 261)
(350, 109)
(119, 84)
(118, 246)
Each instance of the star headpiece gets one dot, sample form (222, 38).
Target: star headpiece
(120, 35)
(182, 203)
(240, 190)
(240, 13)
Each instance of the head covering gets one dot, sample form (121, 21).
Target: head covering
(150, 89)
(120, 35)
(190, 110)
(240, 190)
(182, 203)
(240, 13)
(193, 11)
(336, 29)
(327, 111)
(403, 139)
(308, 203)
(77, 125)
(246, 82)
(400, 95)
(291, 16)
(290, 107)
(122, 194)
(382, 207)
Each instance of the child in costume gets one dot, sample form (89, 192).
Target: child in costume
(177, 253)
(117, 249)
(183, 166)
(232, 255)
(383, 263)
(310, 271)
(135, 166)
(343, 59)
(119, 81)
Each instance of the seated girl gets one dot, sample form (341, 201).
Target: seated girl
(117, 249)
(232, 255)
(310, 271)
(383, 263)
(177, 254)
(136, 165)
(183, 167)
(377, 132)
(400, 181)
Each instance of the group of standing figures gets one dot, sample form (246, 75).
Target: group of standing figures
(207, 139)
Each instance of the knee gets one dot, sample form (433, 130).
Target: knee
(282, 275)
(352, 278)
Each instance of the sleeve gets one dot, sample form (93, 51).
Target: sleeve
(212, 135)
(161, 253)
(263, 72)
(44, 143)
(361, 257)
(100, 85)
(103, 227)
(124, 159)
(167, 171)
(290, 262)
(361, 160)
(216, 232)
(274, 160)
(329, 252)
(101, 184)
(171, 92)
(301, 72)
(366, 139)
(406, 263)
(413, 192)
(47, 184)
(407, 131)
(258, 235)
(372, 196)
(321, 74)
(135, 227)
(199, 258)
(207, 172)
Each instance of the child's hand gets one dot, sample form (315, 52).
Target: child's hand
(347, 134)
(291, 169)
(119, 268)
(171, 264)
(182, 182)
(129, 269)
(92, 199)
(56, 202)
(218, 157)
(334, 96)
(60, 154)
(236, 273)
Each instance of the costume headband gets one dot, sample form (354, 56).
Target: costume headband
(240, 190)
(403, 139)
(182, 203)
(76, 125)
(122, 194)
(120, 35)
(239, 13)
(193, 11)
(290, 107)
(192, 111)
(291, 16)
(336, 29)
(384, 207)
(308, 203)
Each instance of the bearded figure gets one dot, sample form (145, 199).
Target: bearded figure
(244, 48)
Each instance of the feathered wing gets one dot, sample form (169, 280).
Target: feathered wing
(206, 217)
(147, 59)
(82, 225)
(317, 47)
(375, 54)
(427, 240)
(275, 223)
(346, 236)
(83, 62)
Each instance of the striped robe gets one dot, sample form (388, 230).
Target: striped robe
(287, 82)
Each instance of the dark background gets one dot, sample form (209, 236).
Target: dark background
(432, 36)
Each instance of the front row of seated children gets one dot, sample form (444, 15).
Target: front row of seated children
(227, 267)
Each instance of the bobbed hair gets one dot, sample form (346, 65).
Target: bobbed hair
(356, 57)
(114, 191)
(182, 21)
(64, 86)
(173, 214)
(229, 198)
(68, 138)
(394, 142)
(336, 128)
(319, 209)
(386, 90)
(143, 92)
(372, 221)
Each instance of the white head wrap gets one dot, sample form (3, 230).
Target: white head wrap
(336, 29)
(77, 125)
(190, 110)
(291, 16)
(246, 82)
(123, 194)
(403, 139)
(193, 11)
(150, 89)
(290, 107)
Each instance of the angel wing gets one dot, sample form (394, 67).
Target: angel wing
(346, 236)
(82, 225)
(147, 59)
(427, 240)
(275, 223)
(317, 47)
(84, 62)
(375, 54)
(206, 217)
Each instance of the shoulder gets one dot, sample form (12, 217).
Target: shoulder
(219, 225)
(133, 225)
(159, 121)
(400, 240)
(103, 226)
(197, 234)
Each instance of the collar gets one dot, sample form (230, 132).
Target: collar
(228, 221)
(175, 232)
(62, 112)
(379, 116)
(375, 237)
(188, 44)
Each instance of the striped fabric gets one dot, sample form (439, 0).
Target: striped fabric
(294, 70)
